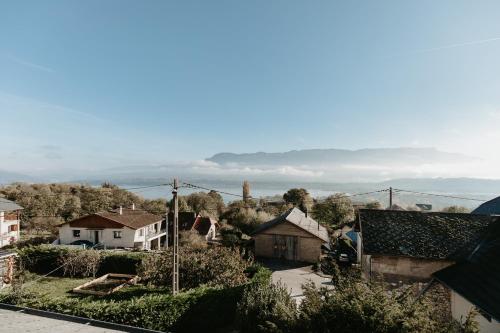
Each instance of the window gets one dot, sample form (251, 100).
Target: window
(117, 234)
(76, 233)
(141, 232)
(12, 227)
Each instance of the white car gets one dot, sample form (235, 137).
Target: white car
(343, 257)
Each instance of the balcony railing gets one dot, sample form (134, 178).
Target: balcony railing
(152, 234)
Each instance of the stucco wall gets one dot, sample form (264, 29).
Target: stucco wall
(394, 269)
(308, 246)
(105, 236)
(5, 235)
(460, 308)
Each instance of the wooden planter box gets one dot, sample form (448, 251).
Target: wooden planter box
(106, 284)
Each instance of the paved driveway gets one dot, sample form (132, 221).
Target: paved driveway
(16, 321)
(294, 276)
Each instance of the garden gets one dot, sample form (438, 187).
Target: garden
(212, 280)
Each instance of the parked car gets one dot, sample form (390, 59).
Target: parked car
(83, 242)
(343, 257)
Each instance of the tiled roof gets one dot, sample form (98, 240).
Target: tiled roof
(134, 219)
(186, 220)
(491, 207)
(299, 219)
(421, 235)
(203, 224)
(477, 278)
(7, 205)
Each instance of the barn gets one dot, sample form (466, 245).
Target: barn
(292, 236)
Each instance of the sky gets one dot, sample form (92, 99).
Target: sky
(90, 84)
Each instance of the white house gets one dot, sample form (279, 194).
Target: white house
(121, 228)
(9, 222)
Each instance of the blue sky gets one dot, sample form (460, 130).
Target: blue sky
(91, 84)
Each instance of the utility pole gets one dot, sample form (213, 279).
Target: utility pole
(390, 197)
(175, 273)
(167, 223)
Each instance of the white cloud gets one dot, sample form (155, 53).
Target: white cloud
(30, 64)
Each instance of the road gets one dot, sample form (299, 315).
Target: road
(294, 276)
(15, 321)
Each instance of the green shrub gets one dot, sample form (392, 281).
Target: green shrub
(217, 266)
(266, 307)
(120, 262)
(359, 307)
(201, 309)
(81, 263)
(43, 259)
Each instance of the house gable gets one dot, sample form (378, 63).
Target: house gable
(289, 229)
(298, 219)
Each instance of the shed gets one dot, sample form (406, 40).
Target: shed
(291, 236)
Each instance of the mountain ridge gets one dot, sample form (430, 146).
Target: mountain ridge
(344, 156)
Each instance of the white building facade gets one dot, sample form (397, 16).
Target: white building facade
(10, 228)
(117, 229)
(460, 309)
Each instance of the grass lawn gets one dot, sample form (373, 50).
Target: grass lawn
(53, 286)
(61, 287)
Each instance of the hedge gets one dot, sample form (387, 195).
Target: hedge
(43, 259)
(201, 309)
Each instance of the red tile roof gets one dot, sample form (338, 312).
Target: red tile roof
(134, 219)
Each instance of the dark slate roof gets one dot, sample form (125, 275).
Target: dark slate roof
(491, 207)
(477, 278)
(418, 234)
(7, 205)
(299, 219)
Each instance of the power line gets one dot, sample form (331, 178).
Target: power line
(144, 187)
(212, 190)
(440, 195)
(338, 197)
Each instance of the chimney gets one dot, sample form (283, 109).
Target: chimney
(246, 190)
(133, 206)
(121, 210)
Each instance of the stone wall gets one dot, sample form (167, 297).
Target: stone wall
(405, 269)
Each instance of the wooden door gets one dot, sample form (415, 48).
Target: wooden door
(285, 247)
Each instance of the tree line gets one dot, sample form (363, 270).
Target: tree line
(48, 205)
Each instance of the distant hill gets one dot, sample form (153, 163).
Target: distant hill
(383, 156)
(7, 177)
